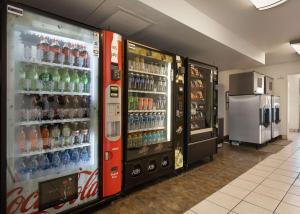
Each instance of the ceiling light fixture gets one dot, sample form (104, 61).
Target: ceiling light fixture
(266, 4)
(296, 45)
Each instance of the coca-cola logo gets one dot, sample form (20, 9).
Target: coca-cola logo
(20, 202)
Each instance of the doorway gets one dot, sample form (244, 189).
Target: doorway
(293, 105)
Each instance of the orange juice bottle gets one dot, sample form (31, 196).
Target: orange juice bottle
(21, 140)
(45, 137)
(33, 138)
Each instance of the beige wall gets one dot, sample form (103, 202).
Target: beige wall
(293, 101)
(280, 74)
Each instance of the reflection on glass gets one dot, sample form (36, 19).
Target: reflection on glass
(52, 128)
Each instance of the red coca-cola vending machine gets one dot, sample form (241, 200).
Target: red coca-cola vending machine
(60, 129)
(112, 123)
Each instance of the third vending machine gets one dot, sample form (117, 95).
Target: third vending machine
(148, 147)
(201, 101)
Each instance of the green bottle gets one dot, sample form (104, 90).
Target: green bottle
(64, 80)
(22, 77)
(55, 79)
(45, 78)
(85, 81)
(33, 77)
(74, 81)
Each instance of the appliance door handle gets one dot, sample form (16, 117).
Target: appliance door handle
(261, 117)
(266, 123)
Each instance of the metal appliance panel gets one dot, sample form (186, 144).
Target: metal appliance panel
(244, 119)
(269, 81)
(265, 106)
(246, 83)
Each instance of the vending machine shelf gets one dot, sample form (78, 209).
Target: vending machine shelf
(145, 72)
(147, 111)
(64, 93)
(51, 64)
(56, 149)
(144, 130)
(147, 92)
(41, 122)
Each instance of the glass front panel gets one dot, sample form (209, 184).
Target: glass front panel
(149, 101)
(201, 96)
(52, 104)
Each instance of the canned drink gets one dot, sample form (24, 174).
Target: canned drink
(150, 103)
(141, 103)
(145, 103)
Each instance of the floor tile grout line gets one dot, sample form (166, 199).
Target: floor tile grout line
(286, 191)
(283, 161)
(261, 184)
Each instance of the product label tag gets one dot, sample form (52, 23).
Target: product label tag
(115, 48)
(96, 44)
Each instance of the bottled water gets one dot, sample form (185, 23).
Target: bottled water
(65, 158)
(84, 155)
(56, 160)
(75, 156)
(44, 162)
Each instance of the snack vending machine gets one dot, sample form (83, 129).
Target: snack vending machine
(179, 101)
(148, 137)
(202, 112)
(112, 111)
(52, 120)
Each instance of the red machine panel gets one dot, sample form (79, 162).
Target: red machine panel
(112, 140)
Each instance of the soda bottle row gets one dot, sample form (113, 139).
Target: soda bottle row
(146, 120)
(50, 107)
(44, 78)
(146, 138)
(40, 164)
(147, 82)
(36, 138)
(45, 49)
(136, 102)
(138, 63)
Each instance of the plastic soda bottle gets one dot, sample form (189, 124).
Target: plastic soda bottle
(64, 80)
(21, 140)
(45, 137)
(75, 156)
(56, 160)
(55, 79)
(55, 135)
(65, 158)
(84, 155)
(33, 138)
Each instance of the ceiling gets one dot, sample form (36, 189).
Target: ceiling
(269, 30)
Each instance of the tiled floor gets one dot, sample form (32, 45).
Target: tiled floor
(178, 194)
(271, 186)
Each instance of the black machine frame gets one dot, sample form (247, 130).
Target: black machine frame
(129, 184)
(201, 145)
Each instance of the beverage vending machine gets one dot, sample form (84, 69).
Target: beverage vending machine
(148, 114)
(51, 119)
(112, 112)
